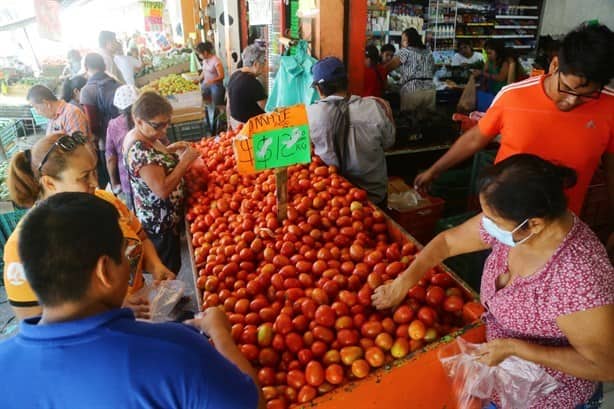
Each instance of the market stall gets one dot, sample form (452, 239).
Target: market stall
(297, 290)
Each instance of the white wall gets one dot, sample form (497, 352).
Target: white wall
(560, 16)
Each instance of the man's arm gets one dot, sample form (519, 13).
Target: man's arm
(467, 145)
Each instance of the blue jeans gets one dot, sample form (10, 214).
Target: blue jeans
(593, 403)
(216, 92)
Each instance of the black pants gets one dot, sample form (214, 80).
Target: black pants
(103, 175)
(169, 249)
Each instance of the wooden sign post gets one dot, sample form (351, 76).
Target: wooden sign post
(274, 141)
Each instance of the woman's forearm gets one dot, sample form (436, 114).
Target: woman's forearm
(564, 359)
(433, 254)
(151, 260)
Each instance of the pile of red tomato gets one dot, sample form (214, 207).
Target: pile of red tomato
(298, 293)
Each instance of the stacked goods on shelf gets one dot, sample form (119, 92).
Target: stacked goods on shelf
(298, 292)
(163, 66)
(518, 25)
(475, 23)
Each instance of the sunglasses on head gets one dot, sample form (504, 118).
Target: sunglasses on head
(67, 143)
(158, 125)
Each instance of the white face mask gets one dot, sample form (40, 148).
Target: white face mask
(504, 236)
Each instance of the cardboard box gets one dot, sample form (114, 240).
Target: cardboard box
(186, 100)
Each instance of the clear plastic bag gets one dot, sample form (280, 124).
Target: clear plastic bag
(163, 297)
(517, 382)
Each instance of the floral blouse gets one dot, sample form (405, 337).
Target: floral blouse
(158, 216)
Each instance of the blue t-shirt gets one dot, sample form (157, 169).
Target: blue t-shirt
(113, 361)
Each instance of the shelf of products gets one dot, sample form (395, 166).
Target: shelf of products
(441, 31)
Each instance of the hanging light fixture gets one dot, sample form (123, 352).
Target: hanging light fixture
(307, 9)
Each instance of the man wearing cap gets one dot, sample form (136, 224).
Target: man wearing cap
(116, 132)
(350, 132)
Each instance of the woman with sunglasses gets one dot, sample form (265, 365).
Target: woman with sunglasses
(547, 286)
(67, 163)
(156, 174)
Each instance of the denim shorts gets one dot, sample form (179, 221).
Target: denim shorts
(593, 403)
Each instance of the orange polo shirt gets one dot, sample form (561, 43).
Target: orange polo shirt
(18, 290)
(530, 122)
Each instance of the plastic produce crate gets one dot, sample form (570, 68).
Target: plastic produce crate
(187, 131)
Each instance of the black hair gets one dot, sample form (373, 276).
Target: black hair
(95, 62)
(587, 52)
(61, 241)
(74, 55)
(388, 47)
(105, 37)
(460, 43)
(525, 186)
(333, 87)
(205, 47)
(71, 84)
(127, 113)
(498, 46)
(413, 38)
(372, 53)
(39, 93)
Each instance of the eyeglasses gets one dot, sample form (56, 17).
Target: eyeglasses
(591, 95)
(158, 125)
(67, 143)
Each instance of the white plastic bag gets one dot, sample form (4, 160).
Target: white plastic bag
(517, 382)
(162, 298)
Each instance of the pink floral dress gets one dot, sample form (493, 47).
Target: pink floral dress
(578, 277)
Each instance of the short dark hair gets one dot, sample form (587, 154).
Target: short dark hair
(62, 239)
(525, 186)
(39, 93)
(95, 62)
(149, 105)
(333, 87)
(205, 47)
(461, 43)
(71, 84)
(587, 52)
(106, 37)
(372, 53)
(413, 38)
(498, 46)
(388, 47)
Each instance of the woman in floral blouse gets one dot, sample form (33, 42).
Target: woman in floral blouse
(547, 286)
(156, 175)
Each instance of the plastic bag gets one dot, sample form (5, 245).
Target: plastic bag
(162, 298)
(468, 99)
(517, 382)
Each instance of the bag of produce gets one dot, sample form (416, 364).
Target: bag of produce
(517, 382)
(162, 298)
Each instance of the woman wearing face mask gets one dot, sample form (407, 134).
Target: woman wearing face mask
(548, 286)
(66, 163)
(156, 174)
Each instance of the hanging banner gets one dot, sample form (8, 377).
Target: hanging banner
(153, 12)
(260, 12)
(48, 19)
(274, 140)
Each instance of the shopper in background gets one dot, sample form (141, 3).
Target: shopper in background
(96, 353)
(465, 55)
(109, 47)
(387, 53)
(350, 132)
(73, 66)
(548, 284)
(417, 67)
(375, 74)
(65, 163)
(501, 68)
(71, 90)
(246, 95)
(63, 117)
(156, 175)
(212, 76)
(565, 117)
(117, 130)
(97, 100)
(127, 65)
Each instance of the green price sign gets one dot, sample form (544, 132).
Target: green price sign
(277, 148)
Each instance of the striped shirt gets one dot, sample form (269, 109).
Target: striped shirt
(68, 119)
(417, 69)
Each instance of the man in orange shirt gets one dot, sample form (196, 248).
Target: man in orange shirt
(566, 117)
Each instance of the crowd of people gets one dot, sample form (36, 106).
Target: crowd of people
(80, 253)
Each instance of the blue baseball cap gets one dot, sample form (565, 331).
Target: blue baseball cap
(328, 69)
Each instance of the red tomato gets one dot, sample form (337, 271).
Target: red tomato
(306, 394)
(427, 315)
(453, 303)
(417, 292)
(294, 342)
(442, 280)
(323, 334)
(334, 374)
(400, 348)
(416, 330)
(350, 354)
(314, 373)
(384, 341)
(371, 329)
(325, 316)
(435, 295)
(283, 324)
(268, 357)
(266, 376)
(360, 368)
(347, 337)
(403, 315)
(472, 311)
(295, 378)
(375, 356)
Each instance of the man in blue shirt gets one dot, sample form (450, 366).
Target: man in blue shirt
(86, 352)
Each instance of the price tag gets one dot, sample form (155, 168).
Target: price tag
(274, 140)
